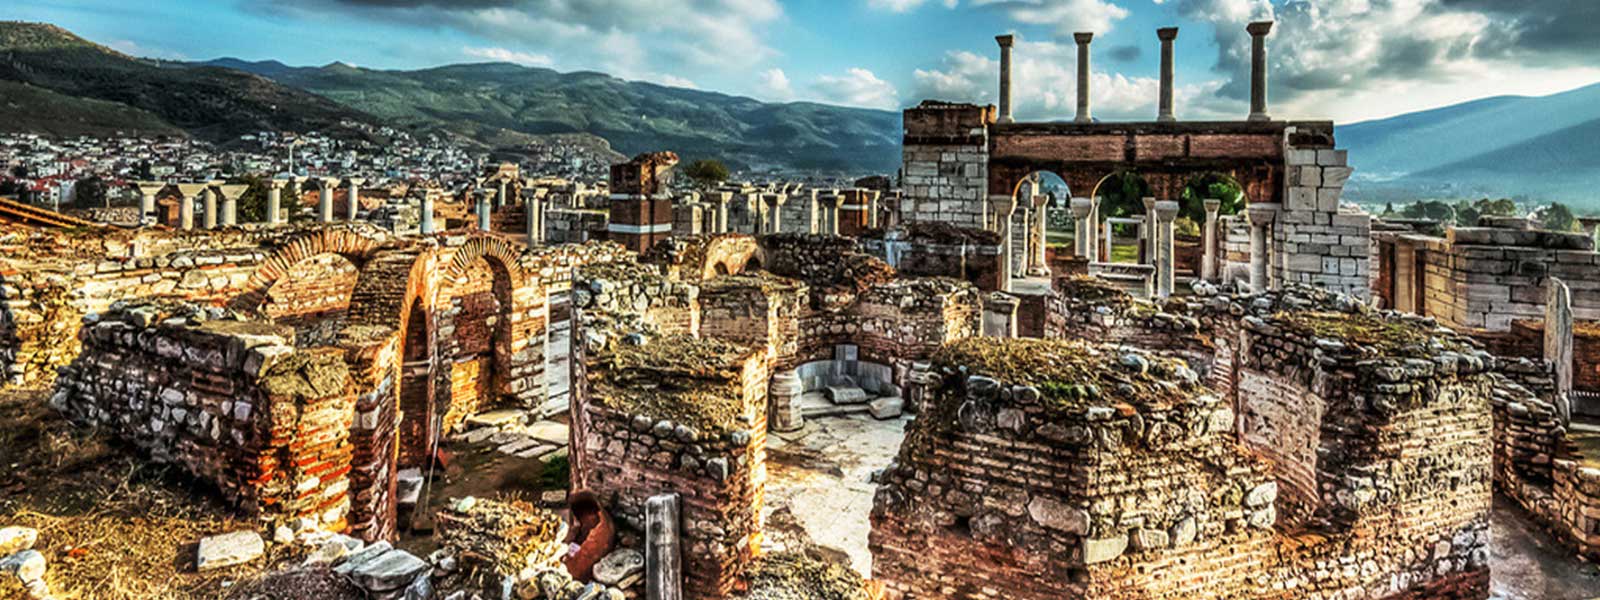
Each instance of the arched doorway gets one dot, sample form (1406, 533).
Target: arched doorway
(1120, 198)
(314, 299)
(1195, 229)
(474, 340)
(1037, 196)
(417, 417)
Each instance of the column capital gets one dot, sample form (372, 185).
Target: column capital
(1003, 204)
(1166, 211)
(1149, 204)
(233, 191)
(1083, 37)
(356, 181)
(1167, 34)
(1263, 213)
(147, 187)
(277, 184)
(1081, 207)
(190, 190)
(1005, 41)
(1259, 28)
(1213, 205)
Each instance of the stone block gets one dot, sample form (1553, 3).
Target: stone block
(17, 539)
(1100, 550)
(229, 549)
(1333, 158)
(888, 407)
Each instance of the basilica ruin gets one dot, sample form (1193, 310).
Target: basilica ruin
(1304, 402)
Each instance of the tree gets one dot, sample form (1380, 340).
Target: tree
(707, 173)
(90, 192)
(1388, 210)
(1210, 186)
(1432, 210)
(1467, 214)
(1557, 217)
(253, 203)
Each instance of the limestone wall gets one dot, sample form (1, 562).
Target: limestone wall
(1535, 463)
(1483, 278)
(945, 171)
(1321, 244)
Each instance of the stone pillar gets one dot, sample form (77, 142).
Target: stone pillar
(1082, 227)
(275, 201)
(530, 205)
(325, 199)
(354, 198)
(1083, 39)
(483, 209)
(1261, 218)
(230, 203)
(722, 212)
(1166, 35)
(1148, 231)
(1558, 343)
(1039, 260)
(1005, 76)
(208, 199)
(426, 226)
(777, 212)
(1208, 266)
(500, 195)
(1094, 231)
(1166, 269)
(1258, 69)
(785, 398)
(1000, 315)
(663, 559)
(1004, 206)
(147, 191)
(190, 193)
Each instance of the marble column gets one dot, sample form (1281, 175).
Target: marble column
(208, 199)
(426, 224)
(1148, 231)
(1261, 218)
(500, 195)
(1004, 206)
(275, 201)
(1005, 76)
(354, 198)
(1166, 267)
(663, 552)
(530, 206)
(147, 200)
(483, 209)
(325, 199)
(1038, 260)
(230, 203)
(722, 213)
(1083, 39)
(1258, 69)
(1082, 228)
(1166, 35)
(1558, 344)
(1208, 266)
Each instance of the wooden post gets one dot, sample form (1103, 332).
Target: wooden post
(663, 560)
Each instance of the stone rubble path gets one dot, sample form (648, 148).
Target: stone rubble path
(505, 429)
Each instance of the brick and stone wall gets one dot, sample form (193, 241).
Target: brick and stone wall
(1536, 465)
(679, 415)
(946, 164)
(939, 250)
(1485, 278)
(1321, 243)
(232, 402)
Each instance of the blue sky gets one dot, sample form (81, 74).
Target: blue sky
(1346, 60)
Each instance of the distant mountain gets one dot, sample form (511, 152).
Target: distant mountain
(212, 103)
(1542, 148)
(481, 101)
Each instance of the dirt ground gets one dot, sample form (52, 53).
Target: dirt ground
(110, 525)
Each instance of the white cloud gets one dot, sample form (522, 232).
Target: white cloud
(1067, 16)
(775, 85)
(901, 6)
(1045, 81)
(511, 56)
(857, 87)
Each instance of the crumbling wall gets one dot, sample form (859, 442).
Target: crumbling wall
(1485, 278)
(941, 250)
(1535, 464)
(678, 415)
(946, 157)
(230, 401)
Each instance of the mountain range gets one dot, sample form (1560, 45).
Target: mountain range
(51, 81)
(1539, 148)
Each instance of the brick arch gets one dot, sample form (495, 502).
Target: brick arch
(516, 374)
(731, 254)
(347, 242)
(499, 252)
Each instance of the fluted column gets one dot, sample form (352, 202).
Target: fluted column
(1038, 260)
(1005, 76)
(1166, 270)
(483, 209)
(1208, 268)
(1166, 35)
(1083, 39)
(1258, 69)
(1261, 219)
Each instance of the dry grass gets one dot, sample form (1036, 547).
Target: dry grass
(112, 525)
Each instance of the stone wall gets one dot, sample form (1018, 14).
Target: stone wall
(1321, 243)
(945, 171)
(1535, 464)
(937, 250)
(678, 415)
(575, 226)
(231, 402)
(1485, 278)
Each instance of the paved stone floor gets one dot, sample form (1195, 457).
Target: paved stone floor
(819, 493)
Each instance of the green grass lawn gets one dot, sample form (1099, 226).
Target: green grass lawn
(1124, 250)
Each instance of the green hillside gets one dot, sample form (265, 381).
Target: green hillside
(212, 103)
(29, 109)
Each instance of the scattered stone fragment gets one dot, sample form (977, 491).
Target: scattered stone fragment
(229, 549)
(16, 539)
(887, 407)
(618, 566)
(26, 566)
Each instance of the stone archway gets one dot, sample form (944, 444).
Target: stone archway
(491, 319)
(287, 254)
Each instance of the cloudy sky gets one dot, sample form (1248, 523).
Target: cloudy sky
(1346, 60)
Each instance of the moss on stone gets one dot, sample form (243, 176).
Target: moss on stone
(795, 576)
(1385, 335)
(1072, 374)
(306, 375)
(687, 380)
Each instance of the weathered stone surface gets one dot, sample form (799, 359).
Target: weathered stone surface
(1103, 549)
(26, 566)
(1057, 515)
(229, 549)
(16, 539)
